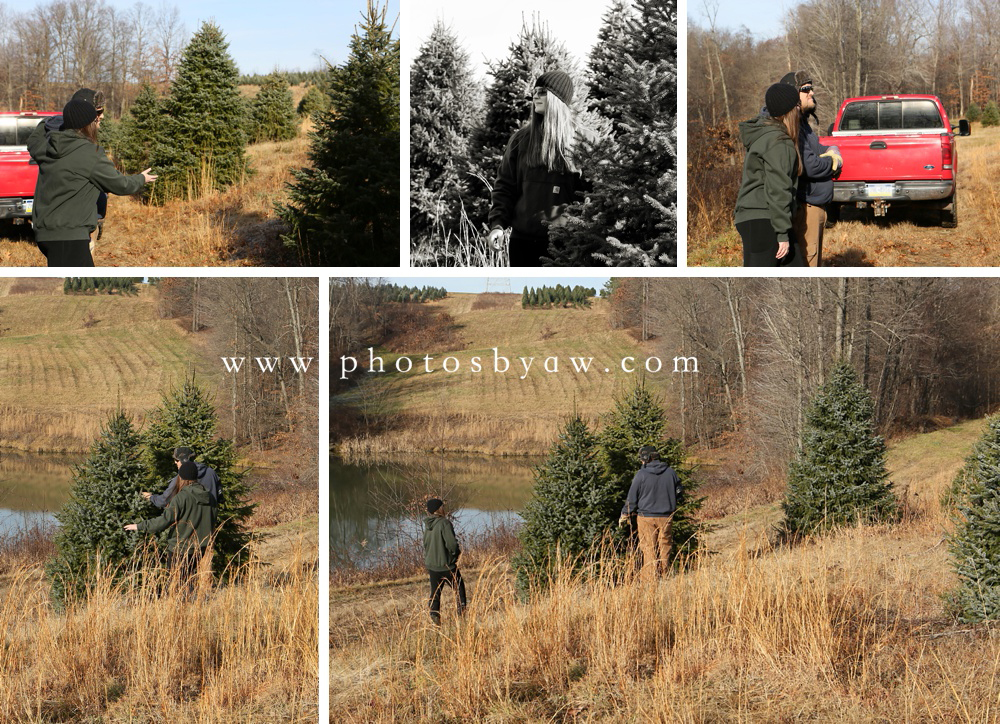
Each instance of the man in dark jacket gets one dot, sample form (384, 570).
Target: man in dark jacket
(652, 498)
(441, 552)
(208, 478)
(820, 164)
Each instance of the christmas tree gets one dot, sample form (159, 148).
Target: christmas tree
(638, 419)
(139, 130)
(839, 475)
(202, 145)
(314, 101)
(273, 112)
(105, 496)
(445, 101)
(187, 418)
(573, 505)
(344, 209)
(974, 544)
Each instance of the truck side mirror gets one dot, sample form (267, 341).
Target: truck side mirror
(964, 129)
(829, 131)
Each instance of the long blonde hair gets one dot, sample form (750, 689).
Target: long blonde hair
(790, 122)
(552, 137)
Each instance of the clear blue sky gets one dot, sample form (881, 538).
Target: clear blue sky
(475, 285)
(285, 35)
(763, 19)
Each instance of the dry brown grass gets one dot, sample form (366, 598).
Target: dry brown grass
(237, 227)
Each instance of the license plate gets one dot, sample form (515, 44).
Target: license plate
(28, 205)
(880, 191)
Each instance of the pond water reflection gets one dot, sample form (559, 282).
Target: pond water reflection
(33, 487)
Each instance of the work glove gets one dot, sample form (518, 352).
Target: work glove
(835, 157)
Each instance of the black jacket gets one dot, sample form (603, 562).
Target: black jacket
(654, 491)
(206, 476)
(192, 517)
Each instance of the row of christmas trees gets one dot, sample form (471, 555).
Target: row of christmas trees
(628, 96)
(837, 478)
(101, 285)
(557, 296)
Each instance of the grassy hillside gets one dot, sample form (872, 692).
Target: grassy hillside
(851, 627)
(516, 411)
(69, 360)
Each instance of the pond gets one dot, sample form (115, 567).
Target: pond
(372, 508)
(33, 487)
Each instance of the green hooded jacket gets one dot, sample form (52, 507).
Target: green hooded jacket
(440, 544)
(191, 514)
(770, 175)
(72, 172)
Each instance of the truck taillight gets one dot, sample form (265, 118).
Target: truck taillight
(946, 152)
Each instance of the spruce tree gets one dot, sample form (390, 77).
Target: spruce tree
(314, 101)
(344, 209)
(629, 216)
(974, 544)
(973, 113)
(273, 111)
(838, 476)
(991, 115)
(140, 128)
(573, 505)
(445, 103)
(636, 420)
(202, 145)
(186, 417)
(105, 496)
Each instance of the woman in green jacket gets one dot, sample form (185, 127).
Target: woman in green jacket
(72, 172)
(766, 200)
(191, 515)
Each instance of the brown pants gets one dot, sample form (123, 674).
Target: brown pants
(654, 542)
(808, 225)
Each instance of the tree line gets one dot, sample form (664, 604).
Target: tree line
(557, 296)
(101, 285)
(626, 96)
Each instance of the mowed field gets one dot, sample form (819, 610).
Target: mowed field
(518, 411)
(237, 227)
(71, 359)
(851, 626)
(907, 236)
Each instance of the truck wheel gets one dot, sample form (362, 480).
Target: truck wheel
(832, 215)
(949, 213)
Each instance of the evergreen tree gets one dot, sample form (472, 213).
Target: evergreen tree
(973, 113)
(344, 209)
(629, 217)
(140, 128)
(105, 496)
(572, 506)
(273, 111)
(535, 51)
(203, 141)
(974, 544)
(187, 418)
(313, 102)
(839, 475)
(991, 115)
(638, 419)
(445, 102)
(525, 298)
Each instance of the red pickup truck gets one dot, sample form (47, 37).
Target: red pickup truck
(897, 149)
(18, 173)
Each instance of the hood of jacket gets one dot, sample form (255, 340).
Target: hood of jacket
(431, 522)
(63, 143)
(757, 128)
(656, 467)
(198, 492)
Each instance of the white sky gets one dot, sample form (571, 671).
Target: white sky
(486, 30)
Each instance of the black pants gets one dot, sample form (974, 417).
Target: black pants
(760, 244)
(526, 250)
(438, 581)
(66, 253)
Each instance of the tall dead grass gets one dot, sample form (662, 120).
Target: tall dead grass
(465, 246)
(245, 652)
(46, 430)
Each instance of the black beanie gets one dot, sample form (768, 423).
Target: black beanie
(434, 505)
(558, 83)
(780, 98)
(188, 471)
(78, 114)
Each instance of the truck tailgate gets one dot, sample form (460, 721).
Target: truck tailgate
(17, 176)
(889, 157)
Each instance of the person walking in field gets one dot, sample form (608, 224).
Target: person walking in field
(441, 552)
(538, 175)
(765, 204)
(820, 164)
(652, 498)
(72, 172)
(191, 516)
(207, 477)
